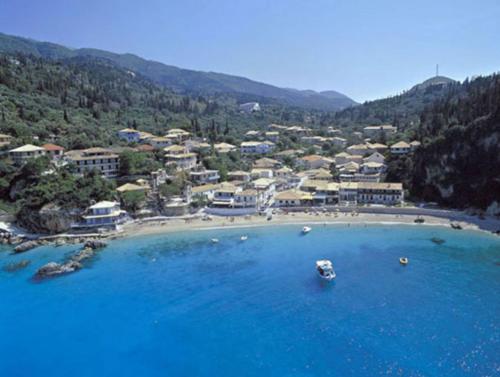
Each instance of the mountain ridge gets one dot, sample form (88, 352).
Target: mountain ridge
(186, 80)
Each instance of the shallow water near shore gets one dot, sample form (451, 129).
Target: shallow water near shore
(178, 305)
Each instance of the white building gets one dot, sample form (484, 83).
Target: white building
(256, 147)
(184, 161)
(104, 213)
(373, 131)
(22, 154)
(103, 160)
(130, 135)
(400, 148)
(249, 107)
(204, 176)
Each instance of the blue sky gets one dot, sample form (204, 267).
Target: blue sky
(364, 48)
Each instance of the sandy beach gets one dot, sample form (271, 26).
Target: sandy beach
(145, 227)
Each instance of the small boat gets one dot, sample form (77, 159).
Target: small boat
(306, 230)
(403, 261)
(438, 241)
(325, 269)
(244, 238)
(215, 240)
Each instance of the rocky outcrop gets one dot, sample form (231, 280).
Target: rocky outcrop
(13, 267)
(52, 269)
(74, 263)
(25, 246)
(95, 244)
(49, 219)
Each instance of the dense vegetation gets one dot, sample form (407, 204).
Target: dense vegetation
(459, 161)
(82, 102)
(184, 80)
(401, 110)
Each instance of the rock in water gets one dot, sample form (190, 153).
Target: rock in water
(86, 253)
(95, 244)
(13, 267)
(25, 246)
(54, 269)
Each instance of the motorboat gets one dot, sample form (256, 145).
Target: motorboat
(325, 269)
(306, 230)
(244, 238)
(215, 240)
(403, 261)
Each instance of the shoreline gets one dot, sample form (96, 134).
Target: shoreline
(165, 226)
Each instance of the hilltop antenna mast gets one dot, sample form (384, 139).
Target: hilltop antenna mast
(437, 70)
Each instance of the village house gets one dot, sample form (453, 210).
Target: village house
(204, 176)
(175, 149)
(322, 192)
(196, 146)
(158, 178)
(400, 148)
(249, 107)
(239, 175)
(183, 161)
(292, 198)
(130, 135)
(55, 152)
(374, 131)
(414, 145)
(272, 136)
(177, 134)
(256, 147)
(205, 191)
(22, 154)
(372, 192)
(348, 192)
(339, 142)
(284, 172)
(267, 163)
(224, 147)
(375, 157)
(145, 136)
(160, 142)
(372, 167)
(380, 193)
(252, 134)
(377, 147)
(103, 160)
(266, 187)
(248, 199)
(314, 162)
(358, 149)
(103, 214)
(261, 173)
(224, 196)
(5, 140)
(297, 130)
(132, 187)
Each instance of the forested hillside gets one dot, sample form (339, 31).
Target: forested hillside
(186, 81)
(401, 110)
(84, 101)
(459, 161)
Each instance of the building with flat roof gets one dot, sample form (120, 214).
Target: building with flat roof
(22, 154)
(101, 159)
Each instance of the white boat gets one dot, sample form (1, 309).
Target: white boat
(306, 229)
(325, 269)
(215, 240)
(244, 238)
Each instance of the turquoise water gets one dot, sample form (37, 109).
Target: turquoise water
(177, 305)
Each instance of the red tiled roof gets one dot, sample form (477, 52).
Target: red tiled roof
(52, 147)
(145, 148)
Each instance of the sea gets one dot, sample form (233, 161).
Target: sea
(178, 304)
